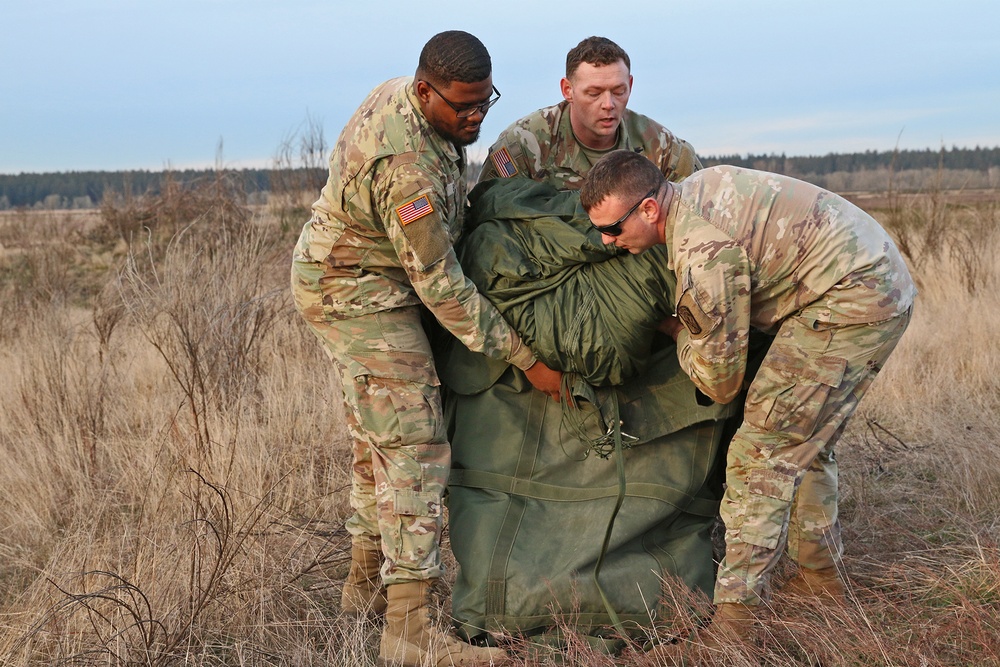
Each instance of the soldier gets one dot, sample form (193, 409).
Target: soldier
(376, 252)
(559, 144)
(754, 249)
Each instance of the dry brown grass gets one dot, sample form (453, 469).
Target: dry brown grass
(176, 470)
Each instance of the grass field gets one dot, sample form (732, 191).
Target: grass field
(175, 469)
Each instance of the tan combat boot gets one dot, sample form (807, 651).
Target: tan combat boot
(732, 624)
(364, 594)
(823, 583)
(409, 639)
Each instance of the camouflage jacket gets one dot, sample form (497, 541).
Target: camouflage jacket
(751, 249)
(541, 146)
(383, 229)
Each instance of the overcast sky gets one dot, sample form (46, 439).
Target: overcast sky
(150, 84)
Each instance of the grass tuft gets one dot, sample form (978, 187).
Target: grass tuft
(176, 465)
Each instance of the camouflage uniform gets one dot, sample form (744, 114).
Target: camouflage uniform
(377, 250)
(753, 249)
(541, 146)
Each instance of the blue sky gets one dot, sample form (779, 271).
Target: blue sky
(150, 84)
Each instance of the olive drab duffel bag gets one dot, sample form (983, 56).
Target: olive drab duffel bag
(574, 514)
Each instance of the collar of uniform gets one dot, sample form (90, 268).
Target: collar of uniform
(670, 222)
(569, 153)
(443, 146)
(624, 137)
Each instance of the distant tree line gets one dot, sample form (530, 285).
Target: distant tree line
(980, 159)
(84, 189)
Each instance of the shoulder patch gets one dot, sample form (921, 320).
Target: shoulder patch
(689, 320)
(414, 209)
(504, 164)
(698, 323)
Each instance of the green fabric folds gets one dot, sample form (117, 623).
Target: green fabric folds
(581, 306)
(530, 503)
(534, 483)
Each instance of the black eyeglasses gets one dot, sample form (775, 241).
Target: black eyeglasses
(465, 112)
(615, 228)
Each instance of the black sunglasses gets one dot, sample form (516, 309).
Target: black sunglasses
(465, 112)
(615, 228)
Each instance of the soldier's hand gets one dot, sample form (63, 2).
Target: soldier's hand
(545, 379)
(671, 326)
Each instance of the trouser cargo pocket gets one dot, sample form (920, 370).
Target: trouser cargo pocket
(769, 501)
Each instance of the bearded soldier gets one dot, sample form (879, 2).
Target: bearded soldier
(376, 253)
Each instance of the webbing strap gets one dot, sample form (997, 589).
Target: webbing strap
(620, 466)
(491, 481)
(496, 583)
(520, 487)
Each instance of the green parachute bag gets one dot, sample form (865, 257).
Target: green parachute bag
(536, 485)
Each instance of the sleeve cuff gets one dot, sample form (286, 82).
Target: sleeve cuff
(522, 356)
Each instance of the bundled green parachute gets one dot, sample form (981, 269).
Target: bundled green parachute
(574, 515)
(581, 306)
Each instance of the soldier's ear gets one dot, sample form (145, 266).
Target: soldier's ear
(651, 209)
(423, 90)
(567, 89)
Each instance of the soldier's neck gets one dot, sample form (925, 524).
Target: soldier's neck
(593, 141)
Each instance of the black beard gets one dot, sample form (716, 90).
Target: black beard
(457, 140)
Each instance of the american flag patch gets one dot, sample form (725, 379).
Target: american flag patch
(414, 210)
(503, 163)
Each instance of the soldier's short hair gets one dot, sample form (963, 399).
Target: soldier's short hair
(454, 55)
(624, 173)
(596, 51)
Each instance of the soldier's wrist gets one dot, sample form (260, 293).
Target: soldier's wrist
(523, 358)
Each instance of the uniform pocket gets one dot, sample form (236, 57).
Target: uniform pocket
(694, 317)
(393, 344)
(790, 391)
(695, 310)
(318, 239)
(397, 413)
(417, 503)
(769, 499)
(419, 412)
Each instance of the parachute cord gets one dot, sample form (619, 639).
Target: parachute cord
(573, 417)
(620, 466)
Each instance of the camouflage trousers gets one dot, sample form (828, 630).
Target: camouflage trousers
(401, 452)
(781, 471)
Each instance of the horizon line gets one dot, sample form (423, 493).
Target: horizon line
(478, 155)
